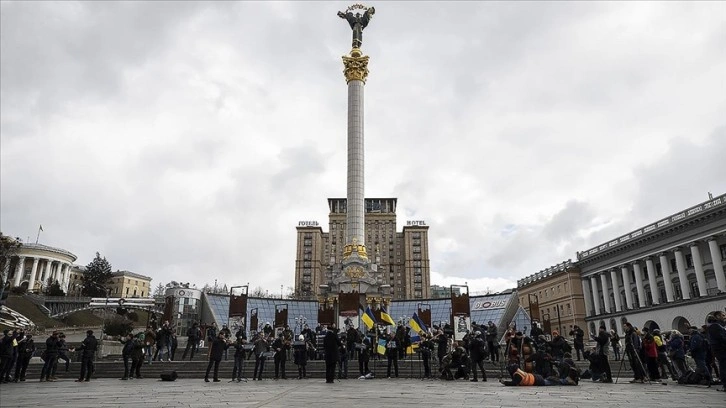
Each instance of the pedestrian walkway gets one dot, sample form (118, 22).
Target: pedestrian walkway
(349, 393)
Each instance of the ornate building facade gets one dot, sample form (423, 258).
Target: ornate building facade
(401, 257)
(668, 274)
(556, 294)
(35, 265)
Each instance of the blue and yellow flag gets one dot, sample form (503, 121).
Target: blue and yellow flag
(381, 349)
(417, 324)
(386, 317)
(369, 319)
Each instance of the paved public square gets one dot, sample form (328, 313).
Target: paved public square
(349, 393)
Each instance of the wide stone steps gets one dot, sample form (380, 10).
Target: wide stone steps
(111, 368)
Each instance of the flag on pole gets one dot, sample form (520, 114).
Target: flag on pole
(41, 227)
(368, 318)
(386, 317)
(417, 324)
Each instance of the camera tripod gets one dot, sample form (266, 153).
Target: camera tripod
(629, 350)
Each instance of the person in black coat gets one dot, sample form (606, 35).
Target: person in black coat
(280, 346)
(26, 348)
(6, 354)
(300, 356)
(193, 337)
(128, 348)
(88, 348)
(50, 356)
(216, 351)
(477, 351)
(331, 347)
(392, 355)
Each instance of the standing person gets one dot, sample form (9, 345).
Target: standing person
(261, 347)
(364, 356)
(578, 338)
(212, 332)
(137, 356)
(632, 348)
(300, 356)
(126, 352)
(193, 337)
(239, 358)
(343, 362)
(603, 344)
(615, 342)
(492, 341)
(280, 347)
(392, 355)
(216, 351)
(697, 348)
(173, 344)
(62, 353)
(716, 332)
(51, 356)
(662, 358)
(477, 352)
(149, 341)
(227, 334)
(651, 355)
(26, 349)
(6, 355)
(162, 342)
(331, 347)
(442, 343)
(88, 348)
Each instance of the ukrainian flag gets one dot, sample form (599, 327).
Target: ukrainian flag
(417, 324)
(368, 318)
(386, 317)
(381, 349)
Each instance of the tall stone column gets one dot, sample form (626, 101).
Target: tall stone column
(32, 271)
(588, 297)
(6, 270)
(639, 283)
(48, 272)
(605, 294)
(31, 281)
(717, 264)
(355, 258)
(654, 293)
(595, 294)
(698, 267)
(616, 291)
(665, 267)
(625, 272)
(682, 278)
(20, 269)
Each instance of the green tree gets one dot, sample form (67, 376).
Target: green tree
(9, 246)
(96, 277)
(160, 290)
(53, 288)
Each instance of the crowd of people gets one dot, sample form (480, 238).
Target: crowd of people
(529, 360)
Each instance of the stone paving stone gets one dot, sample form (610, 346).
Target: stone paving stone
(350, 393)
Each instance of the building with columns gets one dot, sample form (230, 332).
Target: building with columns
(556, 293)
(35, 265)
(668, 274)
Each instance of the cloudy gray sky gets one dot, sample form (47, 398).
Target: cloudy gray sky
(186, 140)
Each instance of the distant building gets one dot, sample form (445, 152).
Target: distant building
(443, 292)
(35, 265)
(401, 257)
(556, 295)
(668, 274)
(123, 284)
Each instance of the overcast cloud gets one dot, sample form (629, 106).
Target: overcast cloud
(184, 141)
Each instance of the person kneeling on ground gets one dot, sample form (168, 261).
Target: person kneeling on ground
(523, 378)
